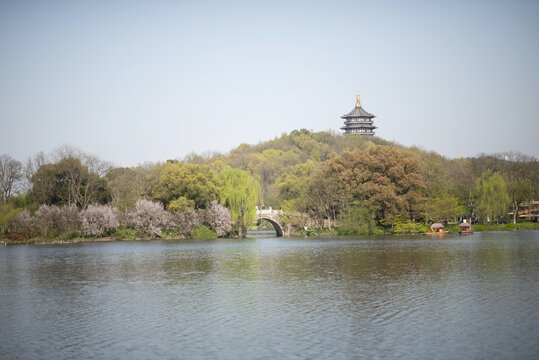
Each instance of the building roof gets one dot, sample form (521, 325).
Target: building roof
(358, 112)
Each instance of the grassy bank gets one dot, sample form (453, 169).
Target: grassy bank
(125, 234)
(506, 227)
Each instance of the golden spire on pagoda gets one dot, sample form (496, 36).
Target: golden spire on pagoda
(358, 104)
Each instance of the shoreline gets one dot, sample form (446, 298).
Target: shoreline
(41, 241)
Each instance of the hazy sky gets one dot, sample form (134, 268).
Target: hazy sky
(139, 81)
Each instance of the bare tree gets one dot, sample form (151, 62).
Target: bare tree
(10, 176)
(32, 165)
(94, 164)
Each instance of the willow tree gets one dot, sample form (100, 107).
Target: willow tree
(239, 193)
(492, 197)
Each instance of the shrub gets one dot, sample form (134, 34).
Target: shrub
(99, 219)
(170, 234)
(402, 226)
(204, 232)
(125, 233)
(218, 217)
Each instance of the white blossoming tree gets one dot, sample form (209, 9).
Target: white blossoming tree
(99, 219)
(150, 217)
(218, 217)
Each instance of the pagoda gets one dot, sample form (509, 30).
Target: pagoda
(358, 121)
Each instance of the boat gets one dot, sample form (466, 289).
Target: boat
(436, 229)
(465, 229)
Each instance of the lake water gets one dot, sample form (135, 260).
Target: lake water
(473, 297)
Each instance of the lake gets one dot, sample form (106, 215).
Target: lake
(395, 297)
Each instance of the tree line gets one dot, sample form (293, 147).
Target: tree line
(352, 184)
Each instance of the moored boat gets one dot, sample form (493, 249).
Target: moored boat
(436, 229)
(465, 229)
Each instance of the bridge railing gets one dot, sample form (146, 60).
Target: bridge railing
(269, 212)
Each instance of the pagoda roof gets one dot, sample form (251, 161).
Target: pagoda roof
(354, 126)
(358, 112)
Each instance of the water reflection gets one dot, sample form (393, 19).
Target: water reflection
(268, 297)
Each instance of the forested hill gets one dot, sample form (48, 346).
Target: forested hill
(285, 167)
(277, 162)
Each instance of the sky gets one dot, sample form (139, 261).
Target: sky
(136, 81)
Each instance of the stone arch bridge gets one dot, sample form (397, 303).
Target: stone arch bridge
(275, 218)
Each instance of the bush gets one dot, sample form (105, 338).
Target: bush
(528, 226)
(170, 234)
(125, 233)
(99, 219)
(401, 226)
(204, 232)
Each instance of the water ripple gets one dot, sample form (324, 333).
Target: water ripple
(273, 298)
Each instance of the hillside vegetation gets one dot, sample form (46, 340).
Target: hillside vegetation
(354, 184)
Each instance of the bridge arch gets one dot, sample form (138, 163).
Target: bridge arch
(278, 228)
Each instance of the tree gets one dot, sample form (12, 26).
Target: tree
(197, 183)
(218, 217)
(380, 178)
(240, 194)
(518, 171)
(68, 182)
(187, 221)
(462, 178)
(356, 220)
(127, 185)
(295, 180)
(150, 217)
(99, 219)
(10, 175)
(7, 213)
(442, 207)
(21, 223)
(493, 200)
(528, 191)
(325, 196)
(54, 221)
